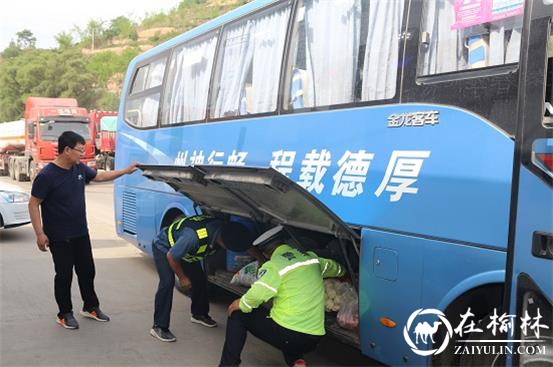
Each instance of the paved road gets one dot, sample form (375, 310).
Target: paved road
(125, 282)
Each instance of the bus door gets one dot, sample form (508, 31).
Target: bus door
(529, 291)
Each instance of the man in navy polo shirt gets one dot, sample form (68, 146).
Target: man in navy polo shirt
(180, 249)
(59, 191)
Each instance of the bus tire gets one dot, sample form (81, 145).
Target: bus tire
(481, 359)
(481, 300)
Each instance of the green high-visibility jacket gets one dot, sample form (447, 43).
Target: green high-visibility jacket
(294, 280)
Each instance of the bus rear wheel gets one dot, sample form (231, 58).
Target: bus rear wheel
(481, 301)
(489, 355)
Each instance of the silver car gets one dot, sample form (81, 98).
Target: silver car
(13, 206)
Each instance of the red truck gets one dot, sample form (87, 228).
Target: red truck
(102, 127)
(45, 120)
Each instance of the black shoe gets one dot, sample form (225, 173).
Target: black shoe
(203, 320)
(67, 320)
(95, 314)
(163, 335)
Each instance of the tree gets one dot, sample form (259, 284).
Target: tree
(108, 101)
(74, 80)
(11, 51)
(95, 30)
(123, 27)
(91, 36)
(25, 39)
(102, 65)
(11, 106)
(46, 73)
(64, 40)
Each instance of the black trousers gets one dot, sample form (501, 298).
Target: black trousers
(292, 343)
(76, 253)
(164, 294)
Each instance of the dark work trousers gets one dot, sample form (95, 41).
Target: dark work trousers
(292, 343)
(198, 278)
(164, 294)
(67, 254)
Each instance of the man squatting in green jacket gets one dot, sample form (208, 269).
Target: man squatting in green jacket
(295, 323)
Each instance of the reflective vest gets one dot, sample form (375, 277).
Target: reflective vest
(293, 279)
(198, 223)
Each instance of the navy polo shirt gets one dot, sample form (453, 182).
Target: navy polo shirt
(63, 207)
(186, 240)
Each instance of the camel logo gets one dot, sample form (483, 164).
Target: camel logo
(424, 331)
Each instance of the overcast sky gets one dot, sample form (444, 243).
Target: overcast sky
(46, 18)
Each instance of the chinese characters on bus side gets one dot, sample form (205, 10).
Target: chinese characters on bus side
(215, 158)
(313, 168)
(402, 172)
(352, 173)
(353, 167)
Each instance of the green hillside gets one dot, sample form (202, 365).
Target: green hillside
(90, 60)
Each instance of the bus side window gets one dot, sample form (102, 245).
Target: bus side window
(140, 79)
(142, 105)
(187, 86)
(248, 68)
(142, 111)
(343, 52)
(452, 41)
(155, 74)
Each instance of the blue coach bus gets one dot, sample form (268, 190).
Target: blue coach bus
(381, 133)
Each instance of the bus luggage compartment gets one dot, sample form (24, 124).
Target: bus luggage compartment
(268, 198)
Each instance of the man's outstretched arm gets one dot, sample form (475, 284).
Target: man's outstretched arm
(112, 175)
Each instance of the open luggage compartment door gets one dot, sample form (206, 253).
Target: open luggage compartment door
(259, 193)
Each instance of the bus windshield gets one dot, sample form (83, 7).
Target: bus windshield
(51, 130)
